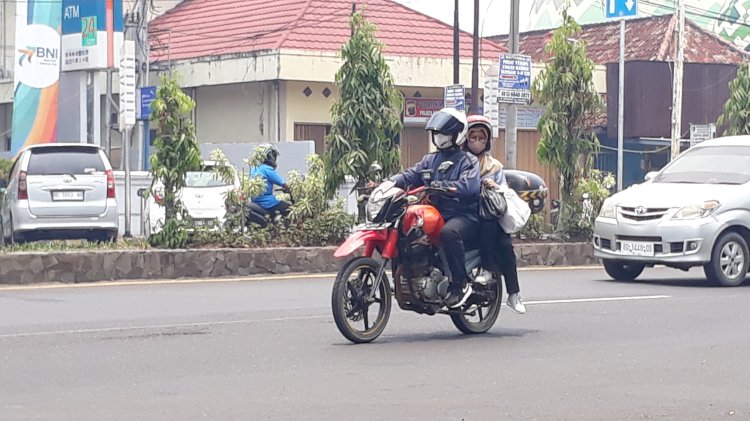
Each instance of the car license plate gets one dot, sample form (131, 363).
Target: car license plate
(632, 248)
(67, 195)
(208, 223)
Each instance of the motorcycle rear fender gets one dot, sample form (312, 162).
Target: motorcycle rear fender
(371, 239)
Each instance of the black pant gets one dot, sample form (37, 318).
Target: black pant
(280, 208)
(497, 254)
(458, 235)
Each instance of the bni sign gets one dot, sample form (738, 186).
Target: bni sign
(514, 80)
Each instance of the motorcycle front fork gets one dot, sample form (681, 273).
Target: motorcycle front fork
(378, 280)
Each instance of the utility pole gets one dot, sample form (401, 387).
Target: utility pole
(621, 108)
(456, 56)
(511, 122)
(142, 54)
(475, 63)
(677, 81)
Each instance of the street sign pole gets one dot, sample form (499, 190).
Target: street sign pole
(621, 9)
(621, 108)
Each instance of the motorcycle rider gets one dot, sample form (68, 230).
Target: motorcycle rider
(454, 169)
(496, 245)
(267, 170)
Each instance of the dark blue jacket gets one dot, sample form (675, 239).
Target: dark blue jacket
(461, 170)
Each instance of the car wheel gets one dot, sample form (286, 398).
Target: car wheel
(729, 261)
(623, 271)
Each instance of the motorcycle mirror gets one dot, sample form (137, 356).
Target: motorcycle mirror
(426, 176)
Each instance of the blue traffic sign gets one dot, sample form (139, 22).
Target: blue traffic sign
(147, 96)
(621, 9)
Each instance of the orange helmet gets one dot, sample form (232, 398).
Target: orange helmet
(480, 121)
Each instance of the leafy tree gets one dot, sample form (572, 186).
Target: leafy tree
(177, 152)
(736, 115)
(366, 117)
(566, 90)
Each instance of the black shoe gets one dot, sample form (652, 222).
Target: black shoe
(457, 296)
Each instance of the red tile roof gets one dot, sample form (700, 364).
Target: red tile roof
(645, 39)
(208, 28)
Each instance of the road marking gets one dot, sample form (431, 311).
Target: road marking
(331, 276)
(595, 300)
(287, 319)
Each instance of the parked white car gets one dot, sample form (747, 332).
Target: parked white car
(203, 196)
(694, 212)
(59, 191)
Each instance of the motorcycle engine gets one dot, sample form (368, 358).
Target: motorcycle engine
(426, 287)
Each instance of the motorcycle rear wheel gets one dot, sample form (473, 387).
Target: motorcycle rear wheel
(484, 317)
(350, 310)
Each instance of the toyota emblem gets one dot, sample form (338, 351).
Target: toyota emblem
(640, 210)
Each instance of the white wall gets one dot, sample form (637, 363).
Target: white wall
(236, 113)
(7, 38)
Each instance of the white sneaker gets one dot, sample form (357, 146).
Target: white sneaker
(516, 303)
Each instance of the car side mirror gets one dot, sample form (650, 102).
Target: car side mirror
(651, 175)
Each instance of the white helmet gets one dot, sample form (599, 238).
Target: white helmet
(447, 128)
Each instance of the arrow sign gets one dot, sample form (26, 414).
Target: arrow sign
(618, 9)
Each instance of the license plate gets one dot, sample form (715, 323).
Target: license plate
(67, 195)
(632, 248)
(204, 222)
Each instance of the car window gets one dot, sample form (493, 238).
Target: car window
(206, 178)
(69, 160)
(709, 165)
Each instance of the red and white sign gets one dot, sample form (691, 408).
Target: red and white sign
(419, 110)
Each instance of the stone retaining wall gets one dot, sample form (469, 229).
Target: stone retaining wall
(87, 266)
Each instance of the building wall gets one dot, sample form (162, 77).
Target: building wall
(7, 38)
(235, 113)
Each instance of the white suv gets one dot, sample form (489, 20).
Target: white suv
(59, 191)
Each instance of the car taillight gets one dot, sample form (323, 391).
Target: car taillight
(110, 184)
(23, 192)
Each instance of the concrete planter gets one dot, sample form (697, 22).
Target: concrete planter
(89, 266)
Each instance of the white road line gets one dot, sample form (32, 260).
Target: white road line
(594, 300)
(286, 319)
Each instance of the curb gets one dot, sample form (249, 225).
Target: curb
(115, 265)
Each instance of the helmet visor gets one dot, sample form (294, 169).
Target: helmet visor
(444, 123)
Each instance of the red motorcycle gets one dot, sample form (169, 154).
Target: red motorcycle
(404, 228)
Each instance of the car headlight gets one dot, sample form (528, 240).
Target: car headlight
(697, 210)
(607, 210)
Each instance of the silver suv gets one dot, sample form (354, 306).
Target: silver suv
(59, 191)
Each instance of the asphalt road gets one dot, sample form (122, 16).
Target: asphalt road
(589, 348)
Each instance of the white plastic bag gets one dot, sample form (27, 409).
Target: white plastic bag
(518, 212)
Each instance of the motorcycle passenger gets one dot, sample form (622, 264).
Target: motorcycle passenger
(267, 170)
(451, 168)
(496, 245)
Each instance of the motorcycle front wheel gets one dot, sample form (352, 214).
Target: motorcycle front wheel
(354, 314)
(481, 311)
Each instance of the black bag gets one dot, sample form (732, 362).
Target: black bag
(492, 204)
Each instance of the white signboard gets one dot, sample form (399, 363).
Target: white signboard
(491, 106)
(127, 85)
(701, 132)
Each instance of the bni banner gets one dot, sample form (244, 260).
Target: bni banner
(37, 73)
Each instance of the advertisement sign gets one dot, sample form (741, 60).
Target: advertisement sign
(514, 82)
(419, 110)
(526, 117)
(92, 34)
(455, 97)
(37, 73)
(491, 106)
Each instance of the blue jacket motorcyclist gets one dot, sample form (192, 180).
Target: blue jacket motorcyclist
(457, 170)
(267, 170)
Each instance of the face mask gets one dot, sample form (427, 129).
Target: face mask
(442, 141)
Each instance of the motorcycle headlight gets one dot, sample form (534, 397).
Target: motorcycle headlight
(373, 208)
(607, 210)
(697, 210)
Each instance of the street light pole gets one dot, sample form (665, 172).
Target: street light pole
(475, 63)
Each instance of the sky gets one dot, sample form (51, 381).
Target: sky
(494, 15)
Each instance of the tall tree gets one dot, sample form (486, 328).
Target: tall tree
(177, 152)
(736, 115)
(366, 117)
(566, 89)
